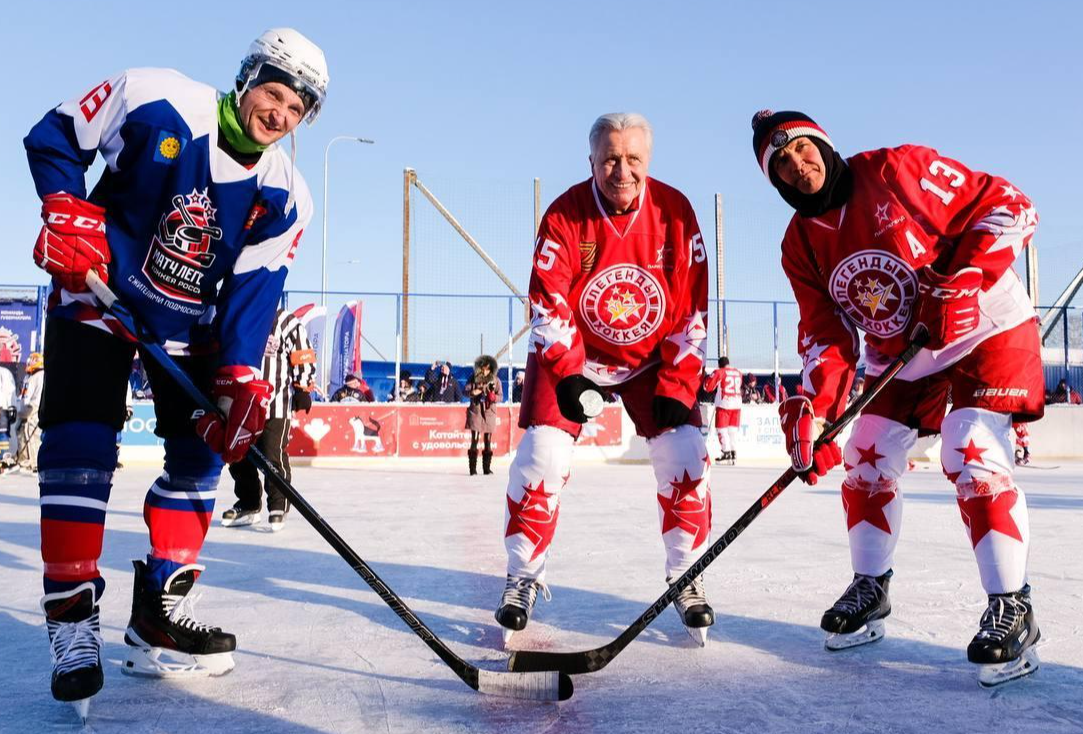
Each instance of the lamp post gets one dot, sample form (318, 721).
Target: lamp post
(323, 262)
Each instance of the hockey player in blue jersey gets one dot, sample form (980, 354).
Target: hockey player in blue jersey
(194, 224)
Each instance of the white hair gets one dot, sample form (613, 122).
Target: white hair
(620, 121)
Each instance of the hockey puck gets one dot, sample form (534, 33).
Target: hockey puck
(592, 402)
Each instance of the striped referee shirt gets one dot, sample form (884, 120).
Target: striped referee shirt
(288, 361)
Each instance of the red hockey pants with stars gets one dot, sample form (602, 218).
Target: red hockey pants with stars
(999, 382)
(542, 468)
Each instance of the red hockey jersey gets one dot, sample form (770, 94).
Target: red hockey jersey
(725, 383)
(857, 267)
(610, 297)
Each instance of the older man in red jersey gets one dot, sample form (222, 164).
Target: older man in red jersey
(881, 242)
(618, 295)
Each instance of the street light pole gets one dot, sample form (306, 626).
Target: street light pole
(323, 262)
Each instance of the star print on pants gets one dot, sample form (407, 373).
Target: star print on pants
(869, 456)
(972, 453)
(861, 505)
(988, 512)
(685, 510)
(531, 517)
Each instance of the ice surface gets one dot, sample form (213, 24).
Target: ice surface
(320, 652)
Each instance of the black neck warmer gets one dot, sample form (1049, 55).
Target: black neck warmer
(838, 185)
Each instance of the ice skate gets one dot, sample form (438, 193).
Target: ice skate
(695, 613)
(517, 603)
(71, 618)
(238, 515)
(857, 618)
(1004, 645)
(165, 640)
(276, 520)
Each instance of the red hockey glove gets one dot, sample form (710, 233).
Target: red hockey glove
(72, 242)
(948, 304)
(799, 426)
(243, 399)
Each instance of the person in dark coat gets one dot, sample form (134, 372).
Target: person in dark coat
(353, 390)
(485, 392)
(445, 388)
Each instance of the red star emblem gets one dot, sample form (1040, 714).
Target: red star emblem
(685, 510)
(972, 453)
(990, 512)
(869, 456)
(861, 505)
(531, 517)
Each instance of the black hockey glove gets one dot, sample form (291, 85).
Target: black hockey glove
(569, 393)
(669, 412)
(302, 400)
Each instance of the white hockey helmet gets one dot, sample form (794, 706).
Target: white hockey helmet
(284, 55)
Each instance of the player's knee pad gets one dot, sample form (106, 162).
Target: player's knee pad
(179, 504)
(75, 476)
(541, 467)
(682, 469)
(877, 449)
(976, 450)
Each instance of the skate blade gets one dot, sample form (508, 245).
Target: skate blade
(157, 662)
(698, 635)
(871, 632)
(242, 521)
(991, 676)
(508, 635)
(82, 708)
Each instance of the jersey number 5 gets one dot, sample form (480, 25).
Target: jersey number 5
(955, 180)
(547, 255)
(697, 253)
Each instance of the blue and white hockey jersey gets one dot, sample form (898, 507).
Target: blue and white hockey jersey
(201, 243)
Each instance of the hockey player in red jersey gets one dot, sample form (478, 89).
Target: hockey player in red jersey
(882, 241)
(725, 384)
(1022, 444)
(618, 297)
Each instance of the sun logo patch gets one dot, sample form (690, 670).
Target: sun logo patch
(169, 147)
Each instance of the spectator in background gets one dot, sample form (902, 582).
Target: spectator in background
(517, 387)
(405, 392)
(857, 388)
(485, 392)
(353, 390)
(1064, 394)
(29, 399)
(769, 395)
(7, 415)
(445, 388)
(749, 392)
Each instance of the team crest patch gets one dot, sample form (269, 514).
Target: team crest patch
(779, 138)
(623, 304)
(876, 290)
(180, 250)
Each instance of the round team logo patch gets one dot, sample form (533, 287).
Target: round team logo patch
(779, 138)
(622, 304)
(876, 289)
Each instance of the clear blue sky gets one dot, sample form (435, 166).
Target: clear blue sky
(506, 92)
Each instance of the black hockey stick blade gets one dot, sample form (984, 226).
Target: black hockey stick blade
(590, 661)
(536, 686)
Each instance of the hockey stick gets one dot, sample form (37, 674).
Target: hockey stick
(547, 686)
(590, 661)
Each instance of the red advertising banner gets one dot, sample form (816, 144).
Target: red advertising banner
(386, 429)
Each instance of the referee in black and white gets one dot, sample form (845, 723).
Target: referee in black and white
(289, 364)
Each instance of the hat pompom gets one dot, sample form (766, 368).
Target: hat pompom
(760, 116)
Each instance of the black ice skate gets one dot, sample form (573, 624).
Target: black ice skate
(71, 618)
(695, 613)
(165, 640)
(239, 515)
(1004, 646)
(518, 602)
(857, 618)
